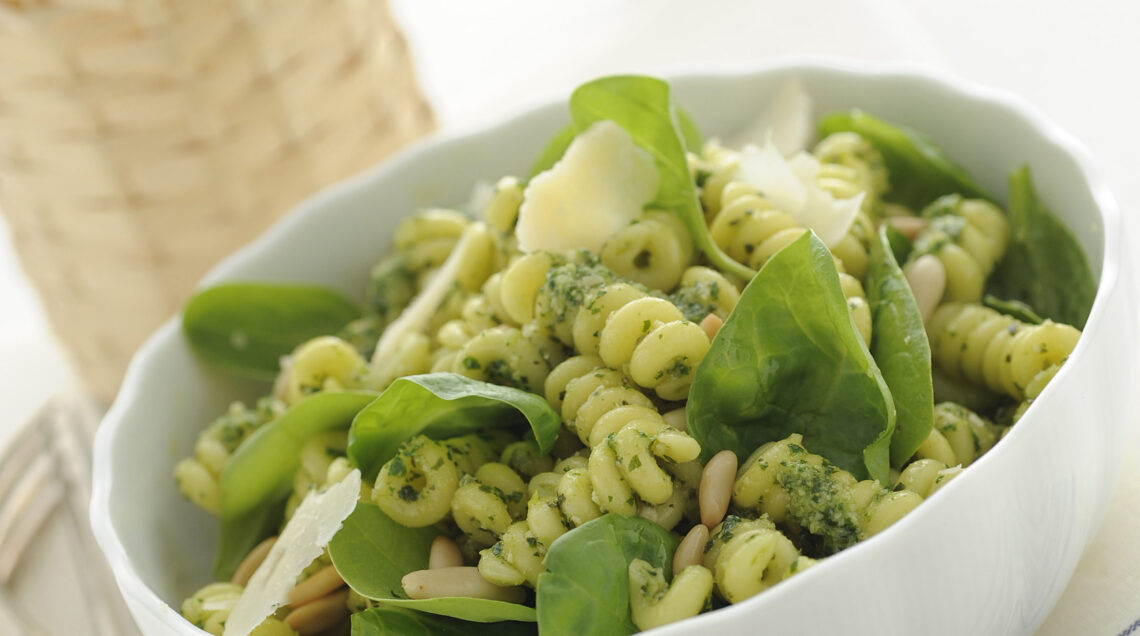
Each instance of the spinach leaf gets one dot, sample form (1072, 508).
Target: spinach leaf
(259, 476)
(585, 590)
(900, 348)
(788, 360)
(1013, 309)
(644, 108)
(1045, 266)
(920, 171)
(372, 554)
(385, 620)
(443, 405)
(247, 327)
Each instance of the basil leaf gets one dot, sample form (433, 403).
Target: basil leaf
(258, 477)
(788, 360)
(247, 327)
(585, 590)
(644, 108)
(443, 405)
(920, 170)
(1013, 309)
(1045, 266)
(384, 621)
(372, 554)
(900, 348)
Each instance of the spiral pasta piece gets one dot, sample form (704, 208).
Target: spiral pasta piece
(969, 236)
(654, 602)
(415, 488)
(747, 556)
(654, 251)
(958, 437)
(322, 364)
(502, 355)
(793, 486)
(986, 348)
(703, 291)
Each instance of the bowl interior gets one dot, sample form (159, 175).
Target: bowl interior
(334, 238)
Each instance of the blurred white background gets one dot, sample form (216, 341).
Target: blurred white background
(479, 61)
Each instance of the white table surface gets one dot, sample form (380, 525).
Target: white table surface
(479, 60)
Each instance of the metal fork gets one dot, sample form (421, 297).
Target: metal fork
(44, 469)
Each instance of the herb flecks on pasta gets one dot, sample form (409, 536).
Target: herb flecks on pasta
(534, 371)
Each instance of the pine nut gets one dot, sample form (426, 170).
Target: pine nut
(716, 487)
(691, 551)
(676, 419)
(321, 614)
(252, 561)
(444, 554)
(322, 583)
(909, 226)
(927, 279)
(711, 324)
(460, 581)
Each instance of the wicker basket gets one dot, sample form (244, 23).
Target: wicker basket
(142, 140)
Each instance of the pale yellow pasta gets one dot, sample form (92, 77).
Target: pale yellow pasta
(649, 252)
(416, 486)
(629, 324)
(925, 476)
(654, 602)
(589, 322)
(984, 347)
(969, 236)
(520, 284)
(325, 363)
(502, 355)
(958, 437)
(747, 557)
(704, 291)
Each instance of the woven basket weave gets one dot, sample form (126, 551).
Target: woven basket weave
(142, 140)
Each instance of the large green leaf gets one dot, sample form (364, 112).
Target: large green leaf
(900, 348)
(1045, 266)
(788, 360)
(247, 327)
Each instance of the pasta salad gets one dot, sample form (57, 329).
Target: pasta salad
(655, 376)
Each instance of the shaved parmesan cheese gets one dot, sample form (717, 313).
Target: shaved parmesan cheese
(476, 238)
(313, 525)
(792, 186)
(786, 121)
(599, 186)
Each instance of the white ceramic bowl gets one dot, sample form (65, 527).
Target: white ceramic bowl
(989, 555)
